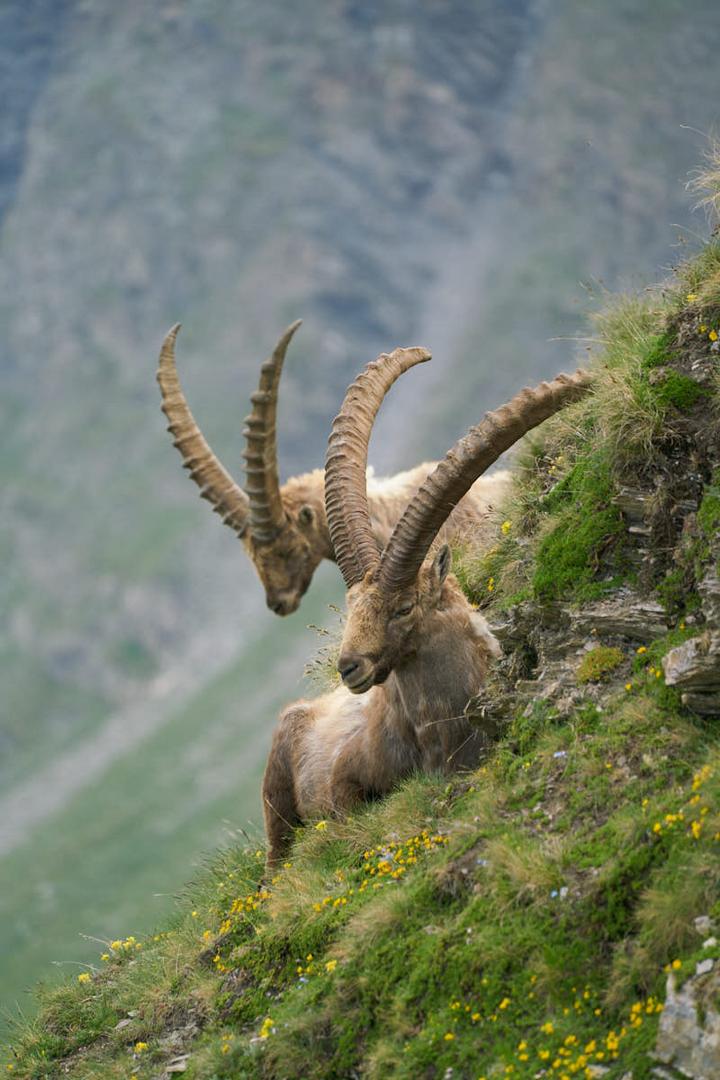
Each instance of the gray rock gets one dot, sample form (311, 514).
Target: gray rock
(704, 967)
(703, 924)
(623, 615)
(695, 665)
(702, 704)
(709, 589)
(689, 1033)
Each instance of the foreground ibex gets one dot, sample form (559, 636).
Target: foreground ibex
(284, 529)
(412, 645)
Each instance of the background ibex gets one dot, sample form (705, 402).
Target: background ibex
(284, 529)
(413, 646)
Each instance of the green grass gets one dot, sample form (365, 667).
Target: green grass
(121, 848)
(524, 909)
(598, 663)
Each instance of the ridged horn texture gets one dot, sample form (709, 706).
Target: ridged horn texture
(356, 549)
(215, 483)
(460, 468)
(262, 484)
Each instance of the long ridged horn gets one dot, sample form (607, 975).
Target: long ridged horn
(462, 465)
(215, 483)
(262, 484)
(356, 549)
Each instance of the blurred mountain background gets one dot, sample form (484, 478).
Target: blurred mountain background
(469, 176)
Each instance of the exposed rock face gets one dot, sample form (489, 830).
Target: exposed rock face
(689, 1035)
(694, 667)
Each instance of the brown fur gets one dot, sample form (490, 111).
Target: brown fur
(287, 564)
(350, 745)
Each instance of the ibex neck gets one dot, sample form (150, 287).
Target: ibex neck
(446, 670)
(428, 694)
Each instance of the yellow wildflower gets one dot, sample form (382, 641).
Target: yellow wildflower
(84, 977)
(713, 335)
(267, 1027)
(448, 1036)
(506, 527)
(691, 297)
(321, 825)
(140, 1047)
(330, 965)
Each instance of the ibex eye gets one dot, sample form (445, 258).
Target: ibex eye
(401, 612)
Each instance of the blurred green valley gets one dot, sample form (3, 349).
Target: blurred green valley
(457, 174)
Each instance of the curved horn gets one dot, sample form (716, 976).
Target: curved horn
(216, 485)
(267, 514)
(356, 549)
(460, 468)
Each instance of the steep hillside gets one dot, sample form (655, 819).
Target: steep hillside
(390, 172)
(551, 914)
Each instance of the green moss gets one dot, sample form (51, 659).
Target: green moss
(678, 390)
(672, 591)
(598, 663)
(708, 516)
(584, 535)
(657, 351)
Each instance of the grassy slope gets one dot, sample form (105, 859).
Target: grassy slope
(519, 919)
(195, 159)
(540, 909)
(121, 848)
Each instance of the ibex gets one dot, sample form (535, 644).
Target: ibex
(413, 646)
(284, 529)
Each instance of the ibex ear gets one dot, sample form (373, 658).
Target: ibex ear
(306, 516)
(441, 565)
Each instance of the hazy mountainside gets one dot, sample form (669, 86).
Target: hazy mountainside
(389, 172)
(598, 137)
(201, 166)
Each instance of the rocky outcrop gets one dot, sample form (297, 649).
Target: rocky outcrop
(689, 1036)
(694, 667)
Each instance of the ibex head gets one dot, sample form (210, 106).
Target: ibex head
(392, 593)
(285, 538)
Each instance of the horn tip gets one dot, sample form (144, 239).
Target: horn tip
(166, 351)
